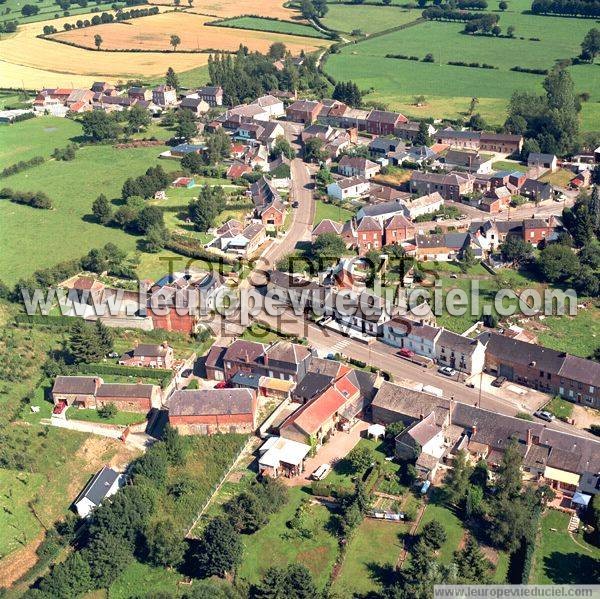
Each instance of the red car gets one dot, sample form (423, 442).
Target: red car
(406, 353)
(221, 385)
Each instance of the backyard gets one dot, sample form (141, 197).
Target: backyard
(325, 210)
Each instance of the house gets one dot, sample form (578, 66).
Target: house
(450, 186)
(398, 229)
(538, 191)
(380, 147)
(385, 193)
(213, 363)
(241, 355)
(195, 104)
(543, 161)
(237, 170)
(164, 96)
(105, 483)
(382, 211)
(364, 312)
(352, 187)
(279, 456)
(210, 411)
(326, 226)
(445, 247)
(303, 111)
(149, 355)
(211, 94)
(102, 87)
(369, 235)
(536, 230)
(76, 96)
(356, 166)
(542, 368)
(274, 106)
(383, 122)
(411, 334)
(501, 143)
(422, 439)
(469, 140)
(183, 149)
(469, 160)
(410, 130)
(332, 113)
(139, 93)
(426, 204)
(461, 353)
(75, 390)
(418, 155)
(128, 397)
(581, 180)
(184, 182)
(86, 290)
(244, 243)
(486, 234)
(286, 361)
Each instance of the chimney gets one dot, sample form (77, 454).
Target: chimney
(266, 359)
(421, 416)
(529, 437)
(474, 432)
(450, 410)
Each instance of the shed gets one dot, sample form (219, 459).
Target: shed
(376, 431)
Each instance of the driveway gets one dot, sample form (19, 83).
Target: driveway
(338, 446)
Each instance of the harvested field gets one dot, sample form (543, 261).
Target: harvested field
(154, 33)
(29, 61)
(236, 8)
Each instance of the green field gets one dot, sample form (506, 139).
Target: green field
(559, 558)
(137, 576)
(271, 546)
(324, 211)
(369, 19)
(17, 520)
(34, 239)
(258, 24)
(449, 88)
(371, 555)
(48, 9)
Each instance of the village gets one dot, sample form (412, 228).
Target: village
(336, 203)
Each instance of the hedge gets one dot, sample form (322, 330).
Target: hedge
(192, 248)
(55, 322)
(21, 166)
(164, 375)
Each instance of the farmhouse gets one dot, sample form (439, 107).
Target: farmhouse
(149, 356)
(128, 397)
(414, 335)
(326, 226)
(274, 106)
(164, 96)
(469, 160)
(369, 235)
(103, 484)
(502, 143)
(462, 353)
(382, 211)
(195, 104)
(210, 411)
(75, 390)
(410, 130)
(303, 111)
(536, 230)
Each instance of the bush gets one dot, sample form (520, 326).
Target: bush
(37, 199)
(21, 166)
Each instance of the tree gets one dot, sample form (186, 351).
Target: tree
(99, 126)
(165, 544)
(422, 138)
(186, 125)
(557, 262)
(246, 513)
(457, 480)
(510, 31)
(434, 535)
(105, 337)
(293, 582)
(152, 466)
(193, 162)
(328, 247)
(137, 119)
(590, 46)
(204, 210)
(467, 259)
(219, 550)
(174, 445)
(276, 51)
(68, 579)
(347, 92)
(175, 41)
(324, 176)
(360, 458)
(473, 104)
(108, 555)
(171, 78)
(83, 343)
(514, 249)
(313, 150)
(503, 5)
(98, 41)
(157, 237)
(102, 209)
(477, 122)
(283, 147)
(149, 217)
(107, 411)
(218, 146)
(472, 565)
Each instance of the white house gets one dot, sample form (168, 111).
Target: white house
(461, 353)
(411, 334)
(545, 161)
(272, 106)
(103, 484)
(352, 187)
(426, 204)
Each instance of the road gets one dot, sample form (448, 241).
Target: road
(301, 191)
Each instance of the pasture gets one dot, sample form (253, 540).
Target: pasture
(367, 18)
(34, 239)
(449, 88)
(154, 33)
(273, 25)
(48, 9)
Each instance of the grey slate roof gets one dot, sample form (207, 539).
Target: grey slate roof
(75, 385)
(96, 490)
(211, 402)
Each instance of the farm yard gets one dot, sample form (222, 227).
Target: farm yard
(396, 82)
(154, 33)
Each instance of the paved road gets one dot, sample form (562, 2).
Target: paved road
(301, 191)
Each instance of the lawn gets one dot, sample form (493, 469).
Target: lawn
(448, 89)
(367, 18)
(559, 178)
(561, 408)
(451, 523)
(274, 546)
(509, 165)
(34, 239)
(259, 24)
(558, 558)
(17, 519)
(332, 212)
(370, 558)
(120, 418)
(257, 333)
(142, 576)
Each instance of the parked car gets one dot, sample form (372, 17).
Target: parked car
(186, 373)
(223, 385)
(295, 204)
(113, 354)
(499, 381)
(321, 472)
(544, 415)
(447, 371)
(405, 353)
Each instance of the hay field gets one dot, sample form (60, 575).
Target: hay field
(154, 33)
(26, 60)
(235, 8)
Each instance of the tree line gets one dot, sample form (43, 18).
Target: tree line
(580, 8)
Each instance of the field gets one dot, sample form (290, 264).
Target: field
(34, 239)
(371, 557)
(260, 24)
(449, 88)
(235, 8)
(367, 18)
(48, 9)
(154, 33)
(559, 558)
(332, 212)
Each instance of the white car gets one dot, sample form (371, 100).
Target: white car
(321, 472)
(447, 371)
(544, 415)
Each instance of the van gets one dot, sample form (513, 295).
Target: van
(321, 472)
